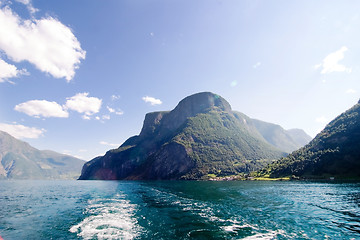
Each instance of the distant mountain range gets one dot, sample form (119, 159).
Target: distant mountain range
(18, 160)
(285, 140)
(201, 137)
(334, 152)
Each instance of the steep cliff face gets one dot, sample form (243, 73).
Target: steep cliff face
(200, 136)
(335, 151)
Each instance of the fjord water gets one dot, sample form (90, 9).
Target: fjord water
(179, 210)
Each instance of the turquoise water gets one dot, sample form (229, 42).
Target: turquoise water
(179, 210)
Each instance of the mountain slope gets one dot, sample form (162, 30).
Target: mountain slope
(299, 136)
(335, 151)
(200, 136)
(285, 140)
(19, 160)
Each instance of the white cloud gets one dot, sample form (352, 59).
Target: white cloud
(9, 71)
(103, 118)
(25, 2)
(47, 43)
(350, 91)
(110, 109)
(321, 119)
(115, 97)
(256, 65)
(67, 152)
(331, 62)
(109, 144)
(152, 101)
(81, 103)
(38, 108)
(106, 117)
(116, 111)
(85, 117)
(21, 131)
(317, 66)
(29, 5)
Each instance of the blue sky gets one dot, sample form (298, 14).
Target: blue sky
(79, 76)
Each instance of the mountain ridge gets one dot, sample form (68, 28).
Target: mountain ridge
(19, 160)
(200, 136)
(333, 152)
(286, 140)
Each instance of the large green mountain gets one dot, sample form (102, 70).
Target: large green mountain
(335, 151)
(201, 136)
(18, 160)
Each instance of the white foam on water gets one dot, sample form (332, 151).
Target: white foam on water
(206, 211)
(236, 227)
(109, 219)
(265, 236)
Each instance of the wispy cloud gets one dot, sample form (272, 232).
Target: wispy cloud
(152, 101)
(28, 4)
(46, 43)
(21, 131)
(109, 144)
(351, 91)
(331, 62)
(115, 111)
(103, 118)
(106, 117)
(321, 119)
(110, 109)
(115, 97)
(256, 65)
(8, 71)
(81, 103)
(42, 108)
(68, 152)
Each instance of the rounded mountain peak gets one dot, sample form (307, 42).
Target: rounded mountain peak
(192, 105)
(203, 101)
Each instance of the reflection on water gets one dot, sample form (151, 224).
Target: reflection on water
(179, 210)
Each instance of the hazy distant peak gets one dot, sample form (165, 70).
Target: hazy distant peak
(19, 160)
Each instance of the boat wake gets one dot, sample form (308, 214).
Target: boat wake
(108, 219)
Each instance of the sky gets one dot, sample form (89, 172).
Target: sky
(78, 77)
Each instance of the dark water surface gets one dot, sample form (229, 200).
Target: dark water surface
(179, 210)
